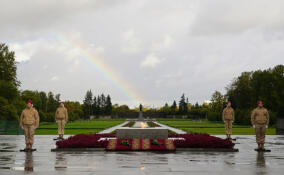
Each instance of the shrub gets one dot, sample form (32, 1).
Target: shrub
(9, 112)
(214, 116)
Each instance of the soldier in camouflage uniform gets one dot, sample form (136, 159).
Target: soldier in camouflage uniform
(228, 118)
(260, 121)
(29, 121)
(61, 117)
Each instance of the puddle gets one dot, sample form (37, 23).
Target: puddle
(246, 161)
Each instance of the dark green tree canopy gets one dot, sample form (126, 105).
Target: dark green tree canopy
(8, 67)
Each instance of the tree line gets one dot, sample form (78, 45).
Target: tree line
(96, 105)
(266, 85)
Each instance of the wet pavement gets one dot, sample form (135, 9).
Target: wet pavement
(246, 161)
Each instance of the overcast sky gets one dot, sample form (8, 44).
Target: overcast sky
(148, 51)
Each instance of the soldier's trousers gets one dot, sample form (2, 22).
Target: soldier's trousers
(61, 124)
(29, 133)
(228, 126)
(260, 133)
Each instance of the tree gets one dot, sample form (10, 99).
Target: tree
(217, 102)
(8, 67)
(8, 112)
(95, 106)
(239, 91)
(108, 105)
(43, 100)
(103, 104)
(120, 109)
(174, 108)
(8, 90)
(166, 109)
(52, 103)
(99, 105)
(183, 105)
(88, 102)
(266, 85)
(74, 110)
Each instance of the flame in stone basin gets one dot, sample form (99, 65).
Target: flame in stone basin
(143, 125)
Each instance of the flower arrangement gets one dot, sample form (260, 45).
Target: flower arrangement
(110, 143)
(85, 141)
(155, 142)
(125, 143)
(200, 141)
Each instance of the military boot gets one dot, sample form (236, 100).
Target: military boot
(31, 147)
(229, 136)
(262, 146)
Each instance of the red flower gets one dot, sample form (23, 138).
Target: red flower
(201, 141)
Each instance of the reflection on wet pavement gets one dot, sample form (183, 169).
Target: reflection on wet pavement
(42, 161)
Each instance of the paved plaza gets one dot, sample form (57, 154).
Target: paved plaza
(246, 161)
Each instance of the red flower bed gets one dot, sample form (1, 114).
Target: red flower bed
(201, 141)
(188, 141)
(85, 141)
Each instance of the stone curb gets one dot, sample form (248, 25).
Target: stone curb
(177, 150)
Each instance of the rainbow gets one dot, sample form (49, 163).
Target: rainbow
(104, 70)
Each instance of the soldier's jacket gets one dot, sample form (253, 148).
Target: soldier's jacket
(29, 117)
(228, 114)
(260, 116)
(61, 114)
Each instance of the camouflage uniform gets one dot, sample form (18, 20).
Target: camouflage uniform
(29, 121)
(61, 117)
(260, 119)
(228, 117)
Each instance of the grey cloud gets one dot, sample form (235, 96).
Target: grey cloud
(203, 45)
(230, 16)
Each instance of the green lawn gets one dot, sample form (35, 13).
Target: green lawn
(78, 127)
(204, 126)
(221, 131)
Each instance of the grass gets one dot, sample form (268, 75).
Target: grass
(205, 126)
(188, 125)
(221, 131)
(78, 127)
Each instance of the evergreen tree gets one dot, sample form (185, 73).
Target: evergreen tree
(99, 105)
(183, 108)
(174, 108)
(88, 101)
(94, 106)
(108, 105)
(103, 104)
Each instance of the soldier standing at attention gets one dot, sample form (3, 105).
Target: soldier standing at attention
(228, 117)
(29, 121)
(61, 117)
(260, 121)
